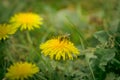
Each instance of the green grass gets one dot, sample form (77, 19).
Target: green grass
(93, 27)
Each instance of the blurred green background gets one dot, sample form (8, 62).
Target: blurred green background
(93, 26)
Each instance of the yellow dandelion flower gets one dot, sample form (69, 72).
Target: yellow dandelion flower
(21, 71)
(6, 30)
(59, 48)
(26, 21)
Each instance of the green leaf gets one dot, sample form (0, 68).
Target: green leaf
(102, 36)
(112, 76)
(90, 55)
(104, 56)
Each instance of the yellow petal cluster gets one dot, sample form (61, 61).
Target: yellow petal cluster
(6, 30)
(21, 71)
(26, 20)
(58, 48)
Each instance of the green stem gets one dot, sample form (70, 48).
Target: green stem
(82, 43)
(79, 32)
(29, 37)
(36, 51)
(91, 70)
(115, 60)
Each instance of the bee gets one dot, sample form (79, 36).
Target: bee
(64, 37)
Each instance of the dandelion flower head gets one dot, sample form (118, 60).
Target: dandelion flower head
(59, 48)
(21, 71)
(6, 30)
(26, 20)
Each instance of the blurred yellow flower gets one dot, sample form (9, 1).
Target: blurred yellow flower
(59, 48)
(21, 71)
(6, 30)
(26, 20)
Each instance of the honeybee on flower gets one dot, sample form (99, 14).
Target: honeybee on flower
(59, 48)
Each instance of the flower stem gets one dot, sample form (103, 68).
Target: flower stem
(36, 51)
(91, 70)
(28, 37)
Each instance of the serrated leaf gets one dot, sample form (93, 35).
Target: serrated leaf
(104, 55)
